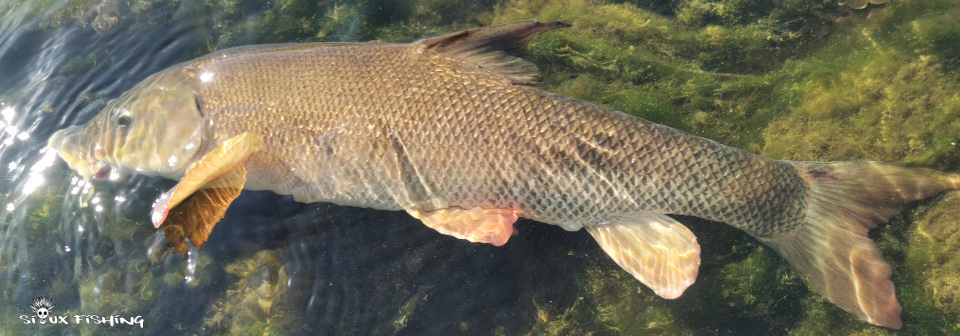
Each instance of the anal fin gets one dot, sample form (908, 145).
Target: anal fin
(656, 249)
(478, 225)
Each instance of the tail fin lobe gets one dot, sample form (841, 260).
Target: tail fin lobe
(847, 199)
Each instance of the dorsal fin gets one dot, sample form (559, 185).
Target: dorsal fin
(498, 49)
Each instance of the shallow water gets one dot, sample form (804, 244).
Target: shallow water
(275, 266)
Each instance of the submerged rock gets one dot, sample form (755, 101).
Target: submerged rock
(861, 4)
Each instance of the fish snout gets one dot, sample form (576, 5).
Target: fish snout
(55, 141)
(73, 148)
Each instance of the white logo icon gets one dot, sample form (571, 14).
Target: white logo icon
(41, 308)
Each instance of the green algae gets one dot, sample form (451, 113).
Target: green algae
(706, 79)
(620, 304)
(866, 96)
(932, 261)
(609, 302)
(752, 286)
(823, 318)
(883, 110)
(943, 281)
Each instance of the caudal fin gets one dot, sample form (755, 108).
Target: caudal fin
(847, 199)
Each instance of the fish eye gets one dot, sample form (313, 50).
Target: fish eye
(123, 121)
(121, 117)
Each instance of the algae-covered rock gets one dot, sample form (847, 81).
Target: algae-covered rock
(254, 304)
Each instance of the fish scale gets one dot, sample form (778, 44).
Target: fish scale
(451, 130)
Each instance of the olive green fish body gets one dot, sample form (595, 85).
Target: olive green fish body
(394, 126)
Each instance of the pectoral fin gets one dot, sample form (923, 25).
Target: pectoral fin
(656, 249)
(214, 182)
(478, 225)
(195, 217)
(211, 167)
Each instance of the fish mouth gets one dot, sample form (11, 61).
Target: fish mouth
(96, 171)
(87, 167)
(103, 173)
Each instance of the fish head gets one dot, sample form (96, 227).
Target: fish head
(156, 129)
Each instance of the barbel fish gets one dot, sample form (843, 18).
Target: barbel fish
(451, 130)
